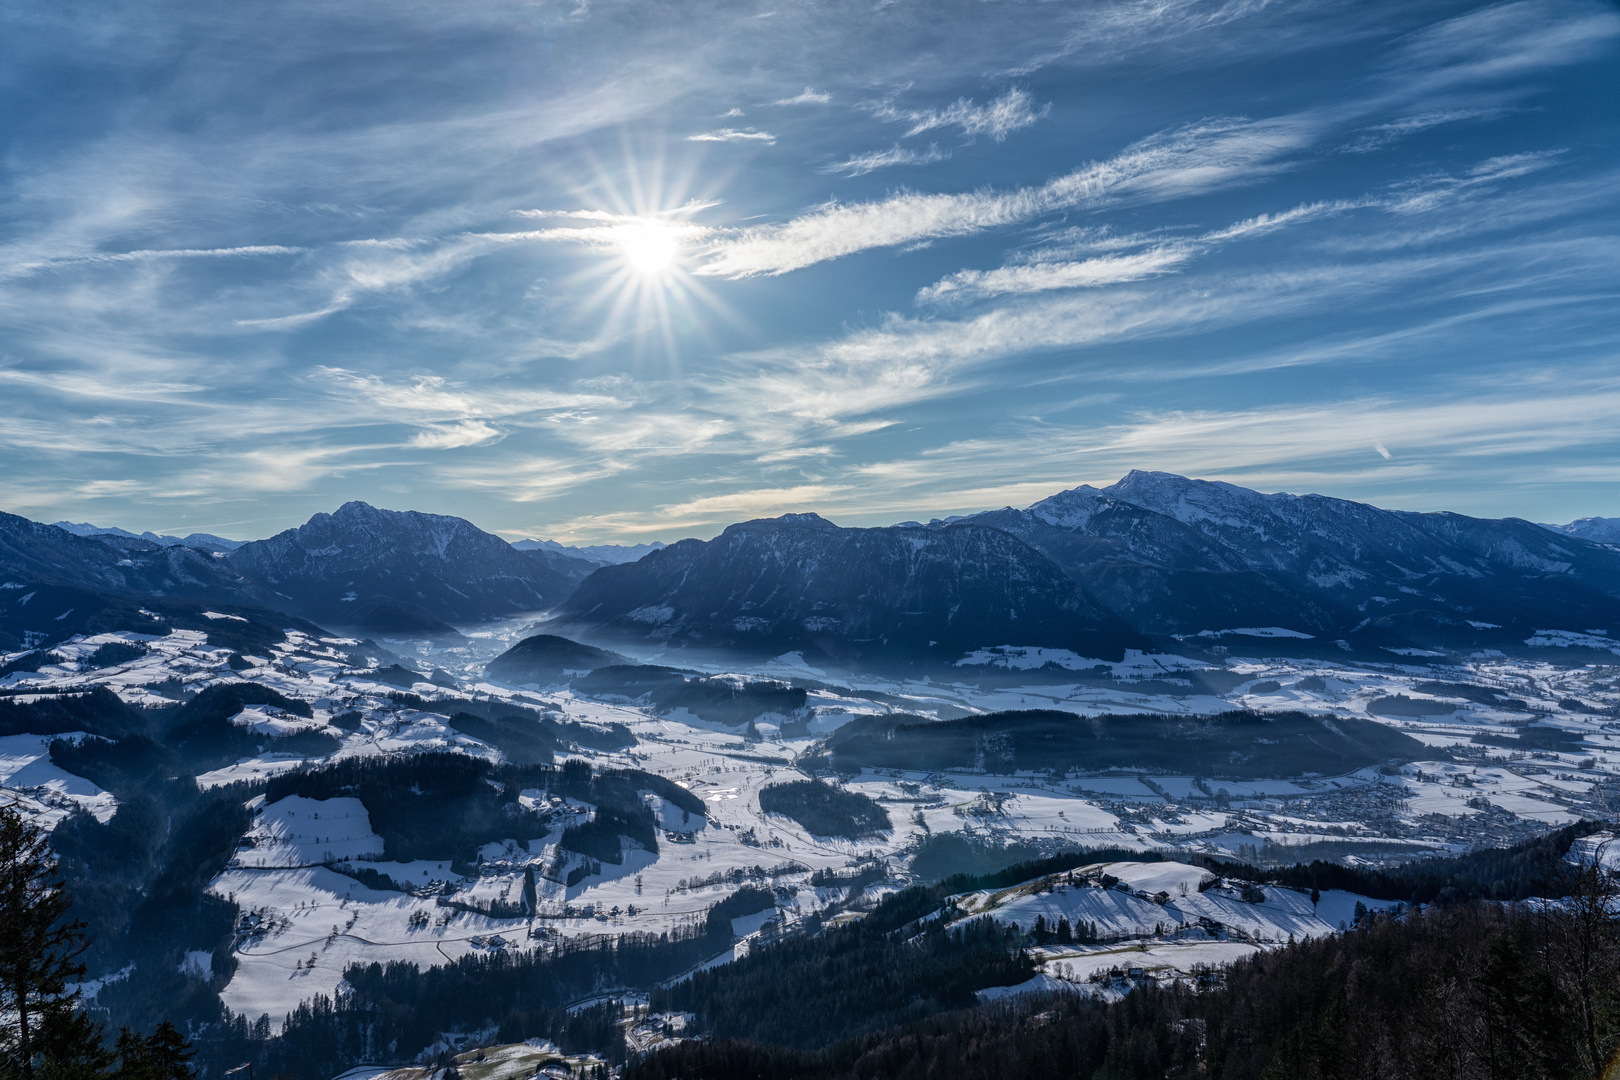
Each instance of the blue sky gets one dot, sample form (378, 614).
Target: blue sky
(608, 270)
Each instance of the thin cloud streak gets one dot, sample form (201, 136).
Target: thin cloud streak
(1162, 258)
(1192, 158)
(1013, 110)
(732, 135)
(861, 164)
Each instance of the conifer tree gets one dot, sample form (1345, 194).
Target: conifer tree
(531, 895)
(43, 1033)
(38, 953)
(163, 1055)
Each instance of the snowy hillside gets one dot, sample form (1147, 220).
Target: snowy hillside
(1506, 750)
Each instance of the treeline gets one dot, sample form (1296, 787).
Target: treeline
(147, 744)
(550, 725)
(1469, 992)
(140, 882)
(825, 810)
(1530, 868)
(446, 805)
(856, 978)
(395, 1011)
(1237, 744)
(732, 700)
(96, 710)
(899, 964)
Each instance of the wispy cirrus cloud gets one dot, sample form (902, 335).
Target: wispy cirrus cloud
(151, 255)
(1381, 135)
(1043, 273)
(809, 96)
(1197, 157)
(705, 510)
(452, 436)
(999, 118)
(884, 369)
(861, 164)
(967, 285)
(1502, 41)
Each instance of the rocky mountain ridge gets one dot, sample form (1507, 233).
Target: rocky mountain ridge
(1153, 557)
(1172, 555)
(801, 582)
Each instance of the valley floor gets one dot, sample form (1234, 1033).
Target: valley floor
(304, 919)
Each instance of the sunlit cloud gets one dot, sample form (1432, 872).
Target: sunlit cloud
(555, 292)
(450, 436)
(703, 511)
(732, 135)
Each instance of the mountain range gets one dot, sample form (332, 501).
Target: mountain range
(801, 582)
(1171, 555)
(1143, 562)
(602, 554)
(199, 541)
(1599, 530)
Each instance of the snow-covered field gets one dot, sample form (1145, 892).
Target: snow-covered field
(45, 791)
(306, 921)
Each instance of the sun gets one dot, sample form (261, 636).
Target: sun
(648, 248)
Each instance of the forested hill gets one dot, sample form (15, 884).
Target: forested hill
(1231, 744)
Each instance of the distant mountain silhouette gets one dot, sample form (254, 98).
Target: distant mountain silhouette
(341, 567)
(547, 658)
(1095, 570)
(801, 582)
(1171, 555)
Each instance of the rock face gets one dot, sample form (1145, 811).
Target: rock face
(801, 582)
(337, 567)
(1173, 555)
(547, 658)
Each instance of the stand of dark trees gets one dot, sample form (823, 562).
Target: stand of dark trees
(96, 710)
(446, 806)
(1469, 992)
(140, 879)
(1530, 868)
(825, 810)
(136, 745)
(859, 977)
(731, 700)
(550, 725)
(140, 883)
(1229, 745)
(397, 1010)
